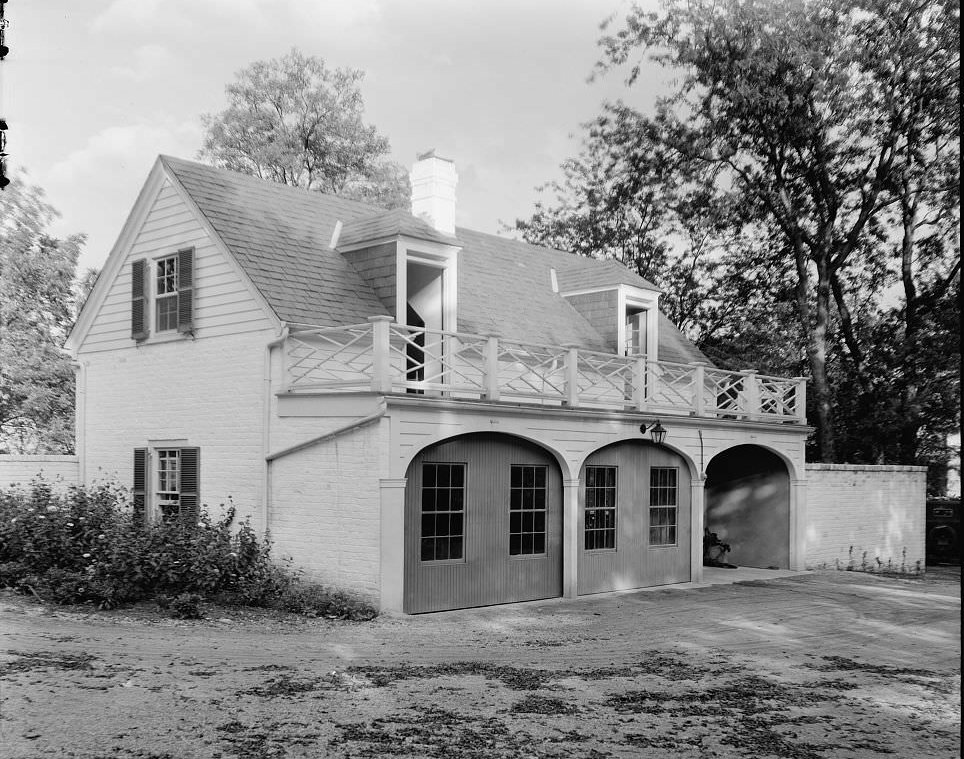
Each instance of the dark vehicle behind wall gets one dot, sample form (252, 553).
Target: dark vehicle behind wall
(943, 525)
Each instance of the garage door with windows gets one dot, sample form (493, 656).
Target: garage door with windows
(483, 524)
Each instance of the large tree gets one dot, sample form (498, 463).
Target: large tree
(832, 131)
(295, 121)
(37, 300)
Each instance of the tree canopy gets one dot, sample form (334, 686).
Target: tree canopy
(807, 164)
(37, 300)
(295, 121)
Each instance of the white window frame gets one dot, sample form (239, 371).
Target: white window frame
(153, 502)
(170, 295)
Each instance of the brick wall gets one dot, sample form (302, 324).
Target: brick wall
(20, 470)
(325, 508)
(874, 509)
(207, 392)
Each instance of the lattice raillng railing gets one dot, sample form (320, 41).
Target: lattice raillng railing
(532, 371)
(725, 393)
(670, 385)
(335, 357)
(778, 396)
(604, 378)
(424, 359)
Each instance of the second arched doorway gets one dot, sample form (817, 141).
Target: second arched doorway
(634, 518)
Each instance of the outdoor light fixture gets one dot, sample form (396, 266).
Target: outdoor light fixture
(3, 27)
(657, 431)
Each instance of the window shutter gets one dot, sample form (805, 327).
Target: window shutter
(190, 485)
(185, 290)
(140, 484)
(139, 299)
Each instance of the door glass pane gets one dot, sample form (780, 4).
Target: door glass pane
(527, 510)
(600, 510)
(443, 511)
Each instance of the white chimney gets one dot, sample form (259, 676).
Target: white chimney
(433, 191)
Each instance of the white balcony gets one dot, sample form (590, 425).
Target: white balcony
(383, 357)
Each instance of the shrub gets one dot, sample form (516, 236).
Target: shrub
(186, 606)
(86, 546)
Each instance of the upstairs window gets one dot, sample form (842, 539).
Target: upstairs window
(166, 292)
(162, 295)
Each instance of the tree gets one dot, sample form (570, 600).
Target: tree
(808, 115)
(295, 121)
(36, 313)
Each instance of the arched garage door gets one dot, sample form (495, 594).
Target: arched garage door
(634, 518)
(483, 524)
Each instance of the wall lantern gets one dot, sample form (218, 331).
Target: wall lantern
(657, 431)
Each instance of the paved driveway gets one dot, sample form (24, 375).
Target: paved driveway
(813, 665)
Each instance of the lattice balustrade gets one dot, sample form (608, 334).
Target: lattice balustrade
(778, 396)
(532, 371)
(725, 393)
(335, 358)
(385, 357)
(670, 385)
(424, 359)
(606, 379)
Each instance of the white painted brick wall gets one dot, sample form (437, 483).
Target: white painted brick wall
(874, 509)
(61, 471)
(325, 509)
(208, 391)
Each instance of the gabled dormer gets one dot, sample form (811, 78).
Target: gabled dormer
(410, 259)
(625, 314)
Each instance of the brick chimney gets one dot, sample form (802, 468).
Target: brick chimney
(433, 191)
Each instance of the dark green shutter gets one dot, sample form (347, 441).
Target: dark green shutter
(139, 299)
(189, 485)
(140, 484)
(185, 290)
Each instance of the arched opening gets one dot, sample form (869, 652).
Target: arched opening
(748, 506)
(634, 518)
(483, 523)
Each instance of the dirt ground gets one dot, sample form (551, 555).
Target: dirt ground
(822, 665)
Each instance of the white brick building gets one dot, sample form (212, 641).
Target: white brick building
(428, 415)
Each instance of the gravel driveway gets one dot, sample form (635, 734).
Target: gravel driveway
(817, 665)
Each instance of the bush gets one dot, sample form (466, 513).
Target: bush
(186, 606)
(86, 546)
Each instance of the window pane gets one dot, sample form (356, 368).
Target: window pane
(443, 516)
(527, 508)
(600, 509)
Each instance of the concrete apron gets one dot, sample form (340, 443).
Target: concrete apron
(720, 576)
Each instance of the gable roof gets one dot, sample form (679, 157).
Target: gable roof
(281, 236)
(390, 224)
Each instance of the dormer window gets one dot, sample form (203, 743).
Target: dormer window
(166, 294)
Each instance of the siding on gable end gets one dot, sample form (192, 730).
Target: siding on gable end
(376, 265)
(599, 309)
(223, 303)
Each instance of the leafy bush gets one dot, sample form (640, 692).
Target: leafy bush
(186, 606)
(86, 546)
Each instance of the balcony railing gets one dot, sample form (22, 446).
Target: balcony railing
(384, 357)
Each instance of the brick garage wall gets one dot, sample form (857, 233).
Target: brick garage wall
(14, 470)
(325, 509)
(874, 509)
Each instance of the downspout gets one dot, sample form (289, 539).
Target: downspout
(266, 425)
(80, 419)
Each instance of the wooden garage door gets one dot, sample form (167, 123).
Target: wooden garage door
(634, 518)
(483, 524)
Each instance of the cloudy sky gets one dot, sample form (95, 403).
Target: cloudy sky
(94, 90)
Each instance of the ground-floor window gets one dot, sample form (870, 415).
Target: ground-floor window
(443, 512)
(527, 510)
(166, 484)
(663, 502)
(600, 509)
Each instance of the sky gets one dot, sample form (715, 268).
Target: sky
(93, 91)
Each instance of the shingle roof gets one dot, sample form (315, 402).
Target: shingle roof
(281, 237)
